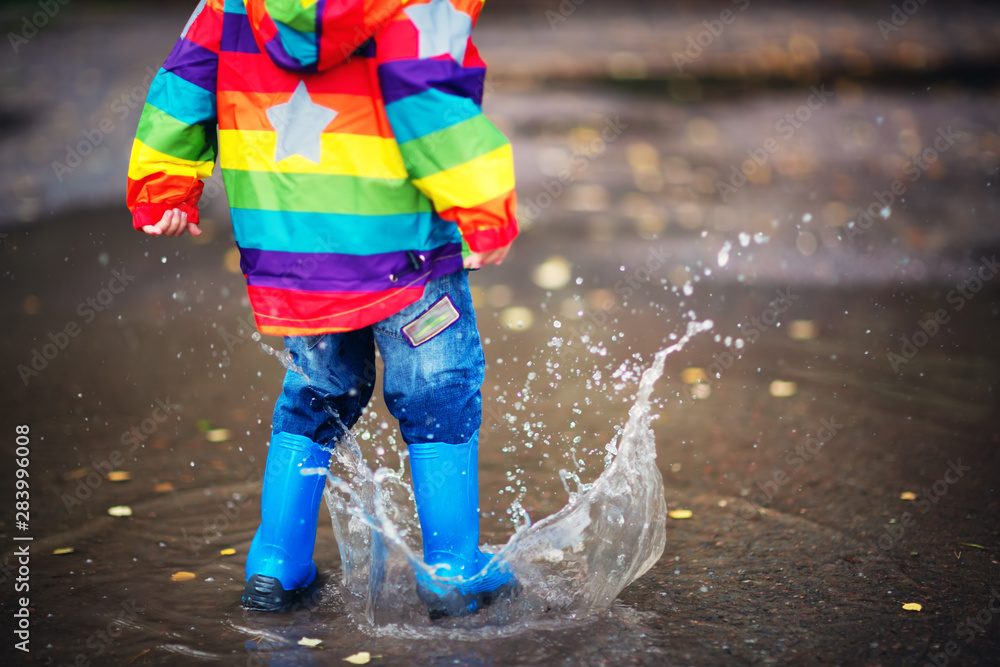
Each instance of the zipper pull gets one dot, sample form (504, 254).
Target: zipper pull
(414, 262)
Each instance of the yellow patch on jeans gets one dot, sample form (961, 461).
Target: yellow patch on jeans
(436, 319)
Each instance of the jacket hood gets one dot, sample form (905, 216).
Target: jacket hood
(315, 35)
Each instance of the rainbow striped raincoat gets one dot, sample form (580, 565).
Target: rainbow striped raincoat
(353, 148)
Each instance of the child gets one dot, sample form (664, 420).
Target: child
(364, 181)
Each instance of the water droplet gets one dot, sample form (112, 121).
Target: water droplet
(723, 257)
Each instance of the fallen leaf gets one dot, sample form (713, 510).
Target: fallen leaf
(76, 474)
(913, 606)
(218, 435)
(227, 552)
(63, 550)
(182, 576)
(120, 510)
(974, 546)
(119, 476)
(362, 658)
(306, 641)
(693, 376)
(782, 389)
(680, 514)
(163, 487)
(802, 330)
(907, 495)
(231, 260)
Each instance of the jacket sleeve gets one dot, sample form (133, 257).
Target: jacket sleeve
(432, 81)
(176, 142)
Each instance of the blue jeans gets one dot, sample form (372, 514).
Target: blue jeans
(434, 369)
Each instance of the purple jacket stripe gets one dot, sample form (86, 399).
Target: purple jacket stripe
(330, 272)
(237, 34)
(195, 64)
(402, 78)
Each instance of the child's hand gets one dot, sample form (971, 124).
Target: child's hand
(477, 260)
(173, 223)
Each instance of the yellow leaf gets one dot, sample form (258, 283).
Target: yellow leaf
(119, 476)
(680, 514)
(913, 606)
(231, 261)
(120, 510)
(907, 495)
(693, 376)
(361, 658)
(782, 389)
(218, 435)
(802, 330)
(63, 550)
(306, 641)
(182, 576)
(227, 552)
(163, 487)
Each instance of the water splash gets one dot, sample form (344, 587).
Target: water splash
(572, 563)
(284, 356)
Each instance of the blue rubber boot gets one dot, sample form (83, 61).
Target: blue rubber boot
(280, 565)
(446, 487)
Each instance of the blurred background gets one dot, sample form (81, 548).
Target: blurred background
(819, 179)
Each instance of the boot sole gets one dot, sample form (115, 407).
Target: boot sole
(467, 605)
(263, 593)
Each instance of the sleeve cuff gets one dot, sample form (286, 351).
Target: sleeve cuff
(150, 214)
(491, 238)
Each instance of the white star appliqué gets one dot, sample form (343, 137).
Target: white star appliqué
(442, 28)
(299, 124)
